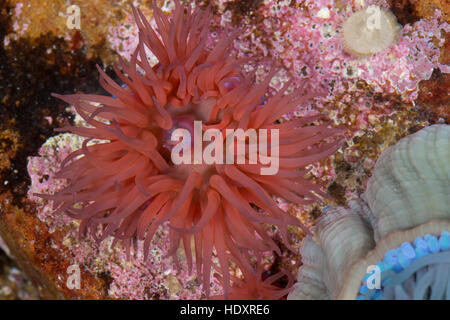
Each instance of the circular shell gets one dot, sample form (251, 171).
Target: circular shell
(370, 31)
(410, 184)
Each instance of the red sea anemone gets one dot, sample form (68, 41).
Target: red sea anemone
(254, 286)
(127, 186)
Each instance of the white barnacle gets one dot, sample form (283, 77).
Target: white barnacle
(370, 31)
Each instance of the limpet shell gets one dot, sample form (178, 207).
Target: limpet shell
(370, 31)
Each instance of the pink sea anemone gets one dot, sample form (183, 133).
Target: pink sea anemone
(126, 186)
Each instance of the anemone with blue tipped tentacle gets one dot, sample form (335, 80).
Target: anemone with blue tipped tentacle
(393, 242)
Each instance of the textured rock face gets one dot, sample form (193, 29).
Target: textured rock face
(407, 198)
(60, 63)
(34, 250)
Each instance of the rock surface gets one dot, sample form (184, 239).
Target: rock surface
(34, 64)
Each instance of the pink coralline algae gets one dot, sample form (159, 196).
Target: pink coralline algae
(307, 40)
(155, 278)
(42, 169)
(401, 68)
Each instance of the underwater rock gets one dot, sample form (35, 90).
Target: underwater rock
(35, 252)
(302, 40)
(399, 227)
